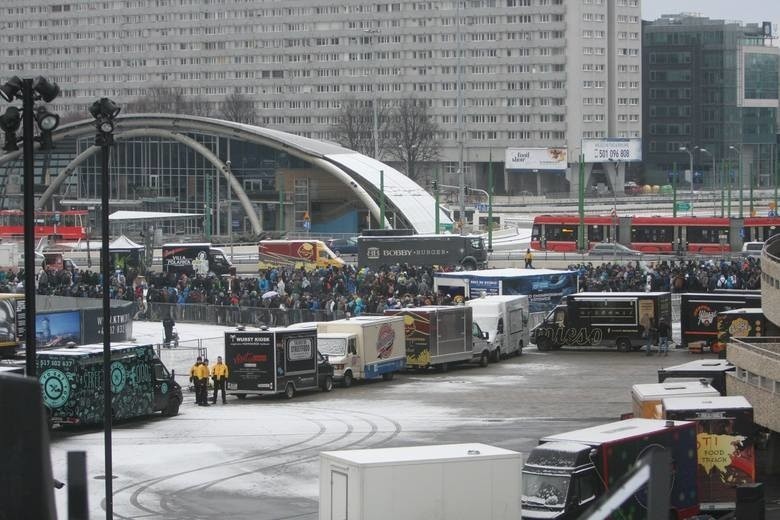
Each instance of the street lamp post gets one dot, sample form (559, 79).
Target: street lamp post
(28, 91)
(373, 95)
(739, 177)
(713, 174)
(690, 156)
(230, 210)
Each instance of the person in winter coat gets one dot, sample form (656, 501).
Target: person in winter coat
(219, 374)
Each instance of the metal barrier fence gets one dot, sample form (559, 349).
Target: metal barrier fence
(181, 358)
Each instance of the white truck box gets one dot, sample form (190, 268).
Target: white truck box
(648, 398)
(445, 482)
(505, 319)
(363, 347)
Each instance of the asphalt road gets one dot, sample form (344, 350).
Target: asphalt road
(258, 458)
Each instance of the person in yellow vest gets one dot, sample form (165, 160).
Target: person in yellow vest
(219, 373)
(202, 383)
(529, 258)
(195, 372)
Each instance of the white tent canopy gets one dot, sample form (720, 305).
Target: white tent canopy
(123, 243)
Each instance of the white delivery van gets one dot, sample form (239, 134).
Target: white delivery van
(505, 319)
(447, 482)
(363, 347)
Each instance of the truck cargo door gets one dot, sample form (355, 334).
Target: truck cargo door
(338, 495)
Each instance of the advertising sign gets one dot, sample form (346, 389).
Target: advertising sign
(535, 159)
(57, 329)
(121, 325)
(250, 360)
(301, 355)
(614, 149)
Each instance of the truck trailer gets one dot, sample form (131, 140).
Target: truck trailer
(72, 383)
(438, 335)
(448, 482)
(742, 323)
(568, 472)
(505, 320)
(428, 250)
(275, 360)
(602, 319)
(363, 347)
(726, 454)
(195, 259)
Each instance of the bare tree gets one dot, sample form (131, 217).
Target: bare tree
(354, 128)
(238, 108)
(159, 100)
(414, 135)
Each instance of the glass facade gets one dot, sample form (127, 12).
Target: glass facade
(761, 76)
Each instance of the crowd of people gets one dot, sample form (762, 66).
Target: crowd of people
(349, 290)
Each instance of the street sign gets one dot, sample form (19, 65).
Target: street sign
(683, 206)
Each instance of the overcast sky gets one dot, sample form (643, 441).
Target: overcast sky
(743, 10)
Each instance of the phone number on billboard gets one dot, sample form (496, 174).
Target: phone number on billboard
(612, 153)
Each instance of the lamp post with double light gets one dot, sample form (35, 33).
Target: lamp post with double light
(29, 91)
(690, 156)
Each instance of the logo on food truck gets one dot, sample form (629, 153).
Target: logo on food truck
(373, 253)
(384, 341)
(306, 251)
(249, 357)
(118, 376)
(705, 315)
(300, 349)
(56, 387)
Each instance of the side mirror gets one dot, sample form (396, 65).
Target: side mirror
(173, 374)
(484, 335)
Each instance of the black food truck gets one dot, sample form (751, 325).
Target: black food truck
(466, 251)
(193, 259)
(698, 313)
(711, 370)
(275, 361)
(602, 319)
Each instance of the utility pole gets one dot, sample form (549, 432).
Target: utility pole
(581, 206)
(372, 32)
(490, 203)
(461, 172)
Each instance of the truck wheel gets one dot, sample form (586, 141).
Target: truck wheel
(327, 385)
(388, 376)
(241, 396)
(289, 391)
(543, 344)
(469, 265)
(519, 348)
(172, 409)
(623, 344)
(496, 355)
(483, 359)
(347, 379)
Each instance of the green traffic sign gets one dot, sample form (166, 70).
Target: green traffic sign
(683, 206)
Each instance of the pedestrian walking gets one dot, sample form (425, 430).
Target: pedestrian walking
(647, 333)
(195, 378)
(168, 325)
(529, 258)
(219, 374)
(663, 337)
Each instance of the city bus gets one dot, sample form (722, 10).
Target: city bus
(660, 234)
(59, 225)
(545, 288)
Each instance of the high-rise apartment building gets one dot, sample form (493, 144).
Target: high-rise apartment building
(710, 84)
(532, 73)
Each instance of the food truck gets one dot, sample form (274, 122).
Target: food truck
(276, 360)
(505, 320)
(712, 370)
(647, 398)
(698, 313)
(742, 323)
(363, 347)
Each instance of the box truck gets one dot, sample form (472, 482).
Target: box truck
(505, 320)
(275, 361)
(712, 370)
(602, 319)
(309, 254)
(428, 250)
(742, 323)
(438, 335)
(647, 399)
(72, 383)
(568, 472)
(726, 454)
(448, 482)
(363, 347)
(698, 313)
(195, 259)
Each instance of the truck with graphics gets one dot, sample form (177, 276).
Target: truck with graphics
(602, 319)
(568, 472)
(442, 336)
(309, 254)
(428, 250)
(725, 435)
(742, 323)
(276, 360)
(504, 319)
(363, 347)
(698, 313)
(72, 383)
(195, 259)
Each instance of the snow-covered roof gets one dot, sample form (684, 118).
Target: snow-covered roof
(731, 402)
(644, 392)
(148, 215)
(412, 454)
(699, 365)
(501, 273)
(612, 431)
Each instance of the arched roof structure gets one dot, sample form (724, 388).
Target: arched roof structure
(360, 174)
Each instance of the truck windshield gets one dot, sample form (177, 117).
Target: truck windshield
(545, 490)
(332, 346)
(476, 243)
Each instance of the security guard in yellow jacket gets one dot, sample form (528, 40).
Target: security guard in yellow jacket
(219, 373)
(199, 375)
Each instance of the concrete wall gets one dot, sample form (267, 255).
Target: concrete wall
(757, 378)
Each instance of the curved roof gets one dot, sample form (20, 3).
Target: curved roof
(412, 203)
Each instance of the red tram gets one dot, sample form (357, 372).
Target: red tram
(59, 225)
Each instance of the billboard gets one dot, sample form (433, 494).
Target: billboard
(613, 149)
(57, 329)
(536, 159)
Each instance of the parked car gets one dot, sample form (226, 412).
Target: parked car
(343, 246)
(609, 249)
(752, 248)
(632, 188)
